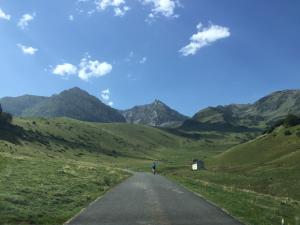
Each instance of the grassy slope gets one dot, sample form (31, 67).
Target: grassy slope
(85, 155)
(133, 141)
(257, 181)
(55, 167)
(274, 158)
(48, 190)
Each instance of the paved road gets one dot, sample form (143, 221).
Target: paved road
(145, 199)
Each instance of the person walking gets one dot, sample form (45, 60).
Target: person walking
(154, 168)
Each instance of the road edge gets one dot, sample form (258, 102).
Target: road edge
(207, 200)
(98, 198)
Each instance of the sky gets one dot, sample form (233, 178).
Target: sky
(189, 54)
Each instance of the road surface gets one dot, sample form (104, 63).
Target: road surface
(145, 199)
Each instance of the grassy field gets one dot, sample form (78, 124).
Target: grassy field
(257, 182)
(51, 168)
(49, 190)
(248, 206)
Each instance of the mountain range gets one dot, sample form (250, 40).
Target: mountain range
(260, 114)
(78, 104)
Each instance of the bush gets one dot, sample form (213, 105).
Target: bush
(269, 130)
(287, 132)
(291, 120)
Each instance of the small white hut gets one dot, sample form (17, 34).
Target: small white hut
(197, 164)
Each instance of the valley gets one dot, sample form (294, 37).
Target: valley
(51, 167)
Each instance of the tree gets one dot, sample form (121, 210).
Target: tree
(5, 118)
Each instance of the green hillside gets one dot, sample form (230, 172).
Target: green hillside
(274, 158)
(51, 168)
(117, 139)
(257, 181)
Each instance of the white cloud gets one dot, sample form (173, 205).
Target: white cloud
(162, 7)
(3, 15)
(205, 36)
(27, 50)
(199, 26)
(65, 69)
(86, 69)
(105, 94)
(119, 11)
(143, 60)
(103, 4)
(119, 6)
(89, 68)
(25, 19)
(71, 17)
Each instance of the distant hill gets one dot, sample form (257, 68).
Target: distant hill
(262, 113)
(154, 114)
(74, 103)
(16, 105)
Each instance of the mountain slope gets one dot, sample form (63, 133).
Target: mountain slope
(273, 158)
(265, 111)
(77, 104)
(67, 163)
(154, 114)
(16, 105)
(278, 105)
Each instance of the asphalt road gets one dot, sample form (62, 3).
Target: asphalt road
(145, 199)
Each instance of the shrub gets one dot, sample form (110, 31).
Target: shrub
(287, 132)
(271, 128)
(291, 120)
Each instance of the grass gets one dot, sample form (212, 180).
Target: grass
(257, 182)
(51, 168)
(271, 161)
(43, 189)
(247, 206)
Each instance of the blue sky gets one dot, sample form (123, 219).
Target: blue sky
(188, 53)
